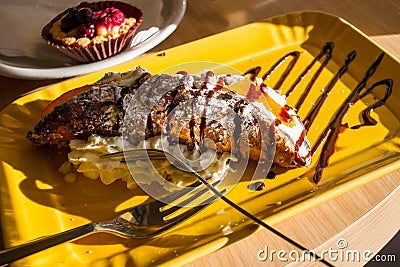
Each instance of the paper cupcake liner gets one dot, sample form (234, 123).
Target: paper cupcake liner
(96, 52)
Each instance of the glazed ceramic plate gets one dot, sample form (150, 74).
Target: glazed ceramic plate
(36, 201)
(23, 53)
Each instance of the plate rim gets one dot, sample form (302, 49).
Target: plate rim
(11, 71)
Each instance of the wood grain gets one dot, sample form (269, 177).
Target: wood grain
(322, 226)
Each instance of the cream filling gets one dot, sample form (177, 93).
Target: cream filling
(85, 158)
(293, 132)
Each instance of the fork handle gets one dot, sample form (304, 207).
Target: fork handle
(14, 253)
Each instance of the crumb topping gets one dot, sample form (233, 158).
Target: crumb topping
(70, 38)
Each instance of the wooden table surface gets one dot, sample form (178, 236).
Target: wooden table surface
(367, 217)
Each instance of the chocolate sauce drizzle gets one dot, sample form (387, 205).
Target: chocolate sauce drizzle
(331, 133)
(335, 127)
(203, 117)
(257, 186)
(309, 119)
(326, 51)
(254, 73)
(366, 113)
(295, 56)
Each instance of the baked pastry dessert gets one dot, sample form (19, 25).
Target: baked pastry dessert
(93, 31)
(139, 108)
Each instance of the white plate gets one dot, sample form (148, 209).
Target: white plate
(23, 53)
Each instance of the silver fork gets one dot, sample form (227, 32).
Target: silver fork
(146, 220)
(143, 221)
(129, 155)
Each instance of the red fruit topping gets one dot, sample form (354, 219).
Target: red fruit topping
(108, 19)
(87, 30)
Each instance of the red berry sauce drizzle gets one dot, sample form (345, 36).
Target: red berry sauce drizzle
(331, 133)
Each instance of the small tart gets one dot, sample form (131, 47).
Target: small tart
(104, 41)
(70, 38)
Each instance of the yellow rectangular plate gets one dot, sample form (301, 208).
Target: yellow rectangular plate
(36, 201)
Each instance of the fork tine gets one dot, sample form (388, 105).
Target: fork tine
(134, 155)
(128, 156)
(153, 154)
(113, 155)
(191, 211)
(132, 159)
(176, 206)
(181, 192)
